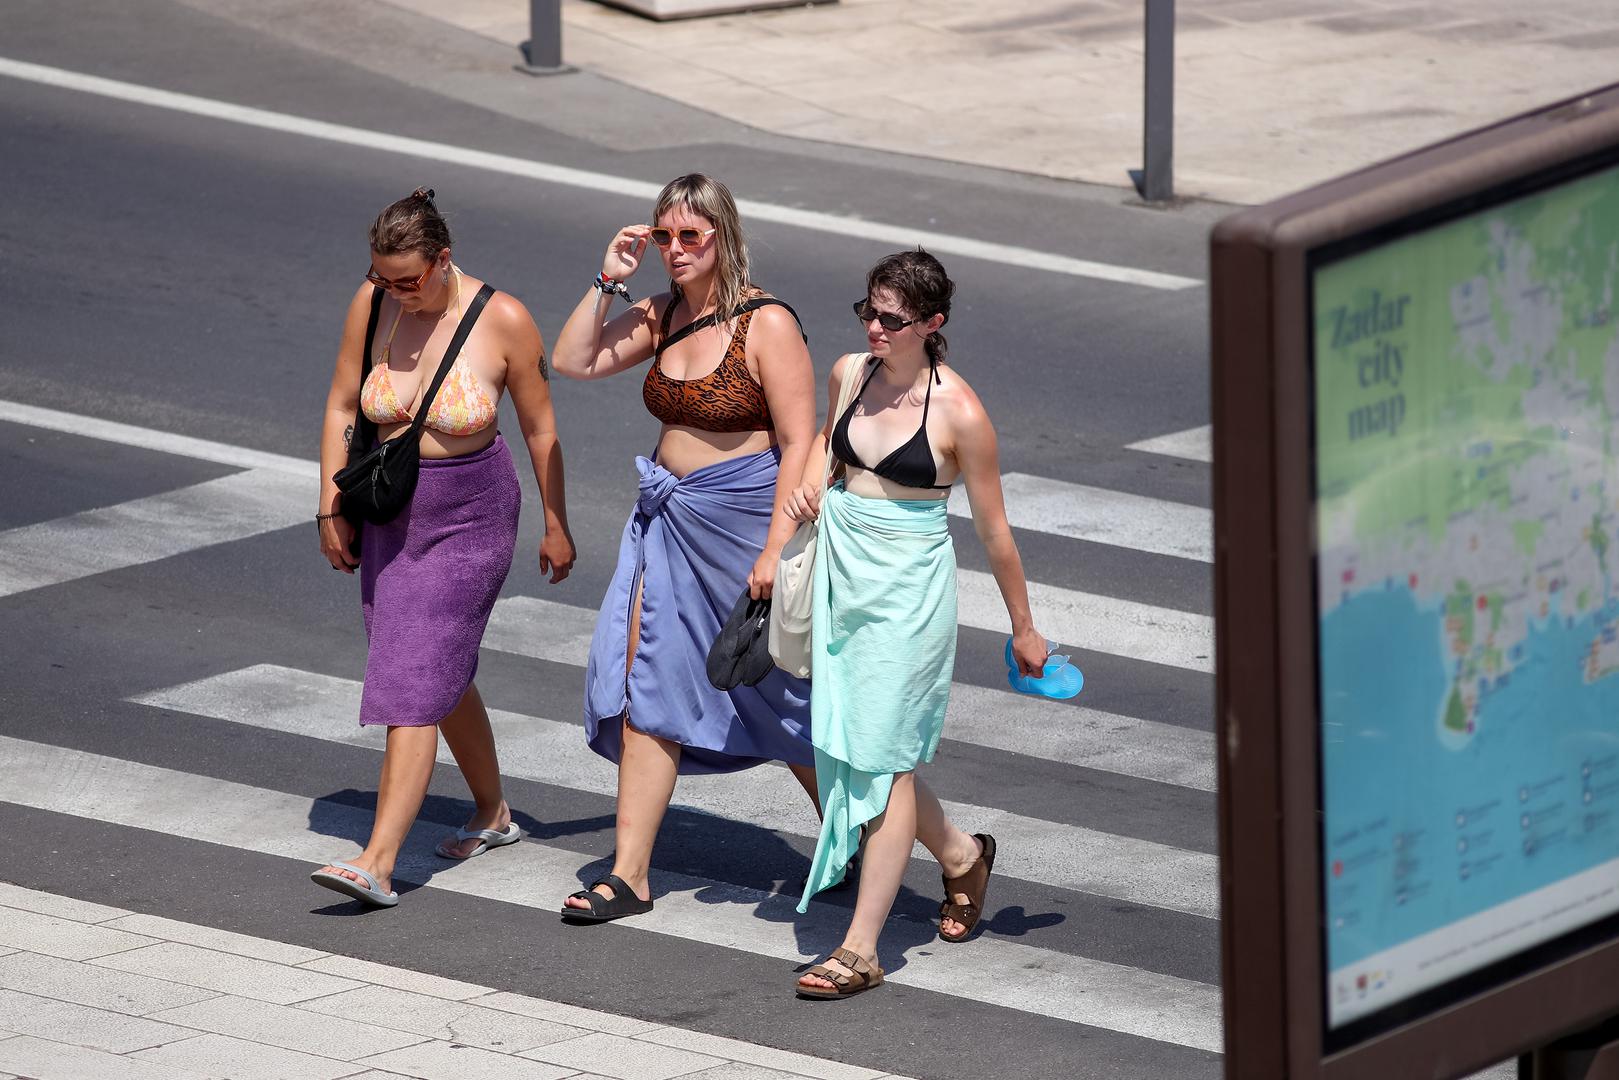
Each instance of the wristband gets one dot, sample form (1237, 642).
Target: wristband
(326, 517)
(610, 286)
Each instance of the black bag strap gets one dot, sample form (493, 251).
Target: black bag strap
(365, 431)
(714, 317)
(474, 309)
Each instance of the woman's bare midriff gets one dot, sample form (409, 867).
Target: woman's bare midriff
(868, 485)
(436, 444)
(683, 450)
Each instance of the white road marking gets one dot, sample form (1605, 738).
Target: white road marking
(1098, 623)
(1148, 750)
(1102, 516)
(600, 183)
(553, 752)
(1193, 444)
(994, 971)
(230, 508)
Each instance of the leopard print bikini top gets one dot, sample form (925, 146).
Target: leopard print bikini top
(728, 398)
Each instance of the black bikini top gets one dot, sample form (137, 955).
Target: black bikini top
(909, 464)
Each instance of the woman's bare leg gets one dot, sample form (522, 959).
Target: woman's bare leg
(647, 768)
(469, 737)
(955, 849)
(889, 839)
(407, 766)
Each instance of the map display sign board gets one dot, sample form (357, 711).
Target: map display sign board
(1467, 578)
(1416, 404)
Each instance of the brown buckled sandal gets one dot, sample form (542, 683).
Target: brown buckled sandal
(974, 884)
(869, 975)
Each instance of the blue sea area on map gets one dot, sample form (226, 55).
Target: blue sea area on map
(1425, 826)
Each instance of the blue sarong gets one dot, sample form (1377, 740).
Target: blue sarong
(692, 540)
(883, 652)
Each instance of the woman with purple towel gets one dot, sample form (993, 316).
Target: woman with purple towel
(430, 576)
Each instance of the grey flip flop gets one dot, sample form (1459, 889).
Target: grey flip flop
(487, 838)
(366, 892)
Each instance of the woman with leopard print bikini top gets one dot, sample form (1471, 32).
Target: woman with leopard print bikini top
(728, 398)
(708, 524)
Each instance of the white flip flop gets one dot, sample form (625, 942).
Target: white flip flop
(487, 838)
(366, 892)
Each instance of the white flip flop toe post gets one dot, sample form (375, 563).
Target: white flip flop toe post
(364, 891)
(487, 838)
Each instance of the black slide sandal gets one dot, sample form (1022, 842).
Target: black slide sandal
(605, 909)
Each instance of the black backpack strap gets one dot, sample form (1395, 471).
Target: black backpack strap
(709, 320)
(365, 432)
(474, 309)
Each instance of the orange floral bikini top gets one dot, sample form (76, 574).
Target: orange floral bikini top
(461, 407)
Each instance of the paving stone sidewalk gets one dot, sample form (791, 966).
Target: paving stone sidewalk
(1272, 95)
(89, 992)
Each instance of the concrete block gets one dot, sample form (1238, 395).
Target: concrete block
(623, 1058)
(28, 1056)
(455, 1021)
(207, 937)
(416, 982)
(228, 974)
(699, 1042)
(81, 1025)
(63, 907)
(558, 1013)
(447, 1061)
(221, 1055)
(35, 932)
(284, 1026)
(97, 987)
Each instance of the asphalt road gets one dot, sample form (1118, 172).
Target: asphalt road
(188, 275)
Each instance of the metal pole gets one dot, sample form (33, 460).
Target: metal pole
(542, 52)
(1156, 182)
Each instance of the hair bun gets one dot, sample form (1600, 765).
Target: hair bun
(423, 193)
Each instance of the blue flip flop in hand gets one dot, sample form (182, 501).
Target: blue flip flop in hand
(1061, 679)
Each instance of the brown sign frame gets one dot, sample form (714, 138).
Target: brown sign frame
(1268, 723)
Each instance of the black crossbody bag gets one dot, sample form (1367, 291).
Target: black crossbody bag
(378, 483)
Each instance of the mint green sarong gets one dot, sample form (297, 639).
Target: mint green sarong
(884, 646)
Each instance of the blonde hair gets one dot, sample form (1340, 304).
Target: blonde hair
(708, 198)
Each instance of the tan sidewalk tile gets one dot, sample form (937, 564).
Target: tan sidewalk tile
(221, 1055)
(53, 936)
(220, 940)
(572, 1015)
(736, 1050)
(625, 1059)
(227, 974)
(447, 1061)
(29, 1056)
(287, 1027)
(437, 1018)
(99, 1029)
(99, 988)
(416, 982)
(63, 907)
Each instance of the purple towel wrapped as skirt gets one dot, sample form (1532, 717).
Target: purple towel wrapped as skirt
(428, 580)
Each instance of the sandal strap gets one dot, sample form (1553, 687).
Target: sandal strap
(966, 914)
(831, 975)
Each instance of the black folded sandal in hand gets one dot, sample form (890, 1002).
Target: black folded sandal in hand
(605, 909)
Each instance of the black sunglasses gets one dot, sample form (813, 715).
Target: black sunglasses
(892, 323)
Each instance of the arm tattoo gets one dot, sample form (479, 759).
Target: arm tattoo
(348, 437)
(545, 368)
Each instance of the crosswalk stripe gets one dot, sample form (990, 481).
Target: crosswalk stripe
(1193, 444)
(553, 752)
(1104, 624)
(1101, 516)
(1145, 749)
(143, 530)
(993, 971)
(92, 427)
